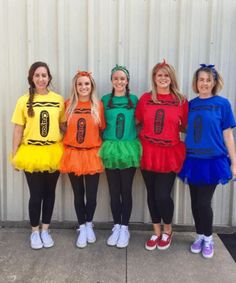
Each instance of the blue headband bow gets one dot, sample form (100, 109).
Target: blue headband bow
(214, 72)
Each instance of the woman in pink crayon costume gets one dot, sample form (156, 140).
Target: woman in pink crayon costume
(82, 141)
(162, 114)
(37, 148)
(210, 152)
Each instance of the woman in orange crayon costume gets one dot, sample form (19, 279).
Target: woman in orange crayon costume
(162, 114)
(82, 141)
(37, 148)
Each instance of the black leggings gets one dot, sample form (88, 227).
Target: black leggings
(160, 203)
(84, 212)
(42, 186)
(120, 186)
(201, 197)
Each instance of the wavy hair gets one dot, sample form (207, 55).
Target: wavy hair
(74, 98)
(174, 86)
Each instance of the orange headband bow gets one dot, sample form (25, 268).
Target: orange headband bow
(83, 74)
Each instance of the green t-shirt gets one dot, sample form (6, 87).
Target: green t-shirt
(120, 120)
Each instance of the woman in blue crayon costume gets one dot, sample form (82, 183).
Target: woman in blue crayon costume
(211, 157)
(120, 152)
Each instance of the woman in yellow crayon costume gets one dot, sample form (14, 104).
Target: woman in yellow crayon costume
(37, 148)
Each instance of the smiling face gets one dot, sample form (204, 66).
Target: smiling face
(205, 84)
(162, 81)
(84, 88)
(41, 80)
(119, 82)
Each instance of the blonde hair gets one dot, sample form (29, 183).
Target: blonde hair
(74, 98)
(174, 86)
(219, 83)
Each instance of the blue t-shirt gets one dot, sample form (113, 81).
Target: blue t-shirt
(207, 120)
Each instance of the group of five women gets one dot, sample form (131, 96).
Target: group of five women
(85, 136)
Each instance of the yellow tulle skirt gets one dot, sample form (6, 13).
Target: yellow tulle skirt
(81, 161)
(34, 158)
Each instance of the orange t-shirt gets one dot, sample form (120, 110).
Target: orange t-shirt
(82, 129)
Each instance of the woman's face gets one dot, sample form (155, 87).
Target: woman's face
(41, 80)
(119, 81)
(205, 84)
(162, 80)
(84, 88)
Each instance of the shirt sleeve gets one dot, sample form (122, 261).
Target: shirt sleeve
(185, 108)
(138, 111)
(102, 118)
(18, 116)
(228, 120)
(62, 112)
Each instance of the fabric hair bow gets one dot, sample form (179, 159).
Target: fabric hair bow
(211, 67)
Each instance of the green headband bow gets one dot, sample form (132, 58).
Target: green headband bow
(120, 68)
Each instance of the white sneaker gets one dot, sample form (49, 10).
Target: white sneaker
(47, 239)
(35, 241)
(123, 240)
(82, 237)
(113, 239)
(91, 238)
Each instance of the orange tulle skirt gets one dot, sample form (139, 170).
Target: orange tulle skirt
(81, 161)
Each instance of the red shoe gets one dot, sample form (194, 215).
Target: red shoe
(165, 241)
(152, 243)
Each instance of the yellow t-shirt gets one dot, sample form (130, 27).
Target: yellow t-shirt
(43, 128)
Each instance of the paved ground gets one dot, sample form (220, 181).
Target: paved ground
(98, 263)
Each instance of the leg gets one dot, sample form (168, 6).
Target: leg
(35, 184)
(91, 182)
(77, 184)
(163, 186)
(114, 184)
(50, 182)
(205, 195)
(149, 180)
(127, 177)
(194, 205)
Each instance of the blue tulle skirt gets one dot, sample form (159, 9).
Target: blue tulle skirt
(198, 171)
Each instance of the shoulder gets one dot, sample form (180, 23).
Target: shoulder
(106, 98)
(145, 96)
(56, 96)
(133, 97)
(22, 100)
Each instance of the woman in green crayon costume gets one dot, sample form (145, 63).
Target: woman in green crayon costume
(120, 152)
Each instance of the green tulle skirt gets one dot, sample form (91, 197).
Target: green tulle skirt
(121, 154)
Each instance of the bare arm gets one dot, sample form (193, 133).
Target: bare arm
(17, 138)
(63, 127)
(230, 144)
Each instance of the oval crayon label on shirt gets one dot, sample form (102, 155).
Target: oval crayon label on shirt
(197, 126)
(81, 129)
(159, 121)
(120, 125)
(44, 123)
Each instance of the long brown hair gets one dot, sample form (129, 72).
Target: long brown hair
(32, 70)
